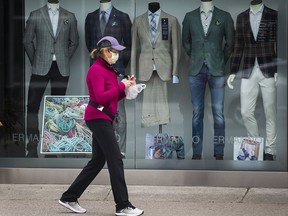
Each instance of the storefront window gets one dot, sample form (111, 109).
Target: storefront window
(207, 105)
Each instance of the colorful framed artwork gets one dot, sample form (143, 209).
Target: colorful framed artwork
(63, 128)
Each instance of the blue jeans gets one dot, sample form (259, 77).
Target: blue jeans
(197, 89)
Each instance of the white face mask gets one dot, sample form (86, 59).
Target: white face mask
(114, 58)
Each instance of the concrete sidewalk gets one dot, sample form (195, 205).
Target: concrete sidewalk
(42, 200)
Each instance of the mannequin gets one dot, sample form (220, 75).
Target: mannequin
(105, 4)
(54, 4)
(257, 51)
(208, 56)
(47, 38)
(53, 1)
(255, 5)
(153, 6)
(206, 5)
(256, 2)
(155, 72)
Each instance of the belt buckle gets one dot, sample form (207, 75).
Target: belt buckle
(100, 108)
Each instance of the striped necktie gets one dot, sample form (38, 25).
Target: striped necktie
(153, 28)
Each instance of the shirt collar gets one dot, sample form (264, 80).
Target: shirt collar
(50, 7)
(158, 12)
(108, 11)
(260, 10)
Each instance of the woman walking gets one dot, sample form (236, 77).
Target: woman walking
(104, 93)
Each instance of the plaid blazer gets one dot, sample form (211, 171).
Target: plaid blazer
(264, 47)
(118, 26)
(40, 43)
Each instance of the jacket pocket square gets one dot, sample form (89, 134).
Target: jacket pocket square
(114, 24)
(218, 22)
(66, 22)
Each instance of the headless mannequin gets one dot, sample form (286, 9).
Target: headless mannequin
(255, 5)
(153, 7)
(206, 5)
(105, 4)
(54, 4)
(256, 2)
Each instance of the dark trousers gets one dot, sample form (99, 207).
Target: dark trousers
(104, 148)
(36, 91)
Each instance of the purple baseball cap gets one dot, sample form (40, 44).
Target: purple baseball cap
(109, 41)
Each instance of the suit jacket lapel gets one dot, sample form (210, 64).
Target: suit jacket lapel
(159, 28)
(111, 21)
(248, 23)
(61, 20)
(213, 21)
(262, 24)
(199, 23)
(145, 24)
(96, 25)
(44, 11)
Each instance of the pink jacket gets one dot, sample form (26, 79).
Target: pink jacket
(104, 89)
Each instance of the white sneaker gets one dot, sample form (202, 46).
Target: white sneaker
(129, 211)
(73, 206)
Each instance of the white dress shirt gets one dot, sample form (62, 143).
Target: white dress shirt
(53, 10)
(206, 18)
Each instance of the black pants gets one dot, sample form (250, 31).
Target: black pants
(104, 148)
(36, 91)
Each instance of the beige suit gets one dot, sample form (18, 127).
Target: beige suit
(165, 55)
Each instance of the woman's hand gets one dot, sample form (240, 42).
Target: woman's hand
(132, 78)
(129, 82)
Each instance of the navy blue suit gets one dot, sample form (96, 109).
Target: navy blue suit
(118, 26)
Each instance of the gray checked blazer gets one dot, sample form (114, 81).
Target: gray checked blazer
(40, 43)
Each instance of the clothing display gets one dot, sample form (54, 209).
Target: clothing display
(44, 94)
(207, 38)
(50, 40)
(157, 63)
(255, 43)
(118, 25)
